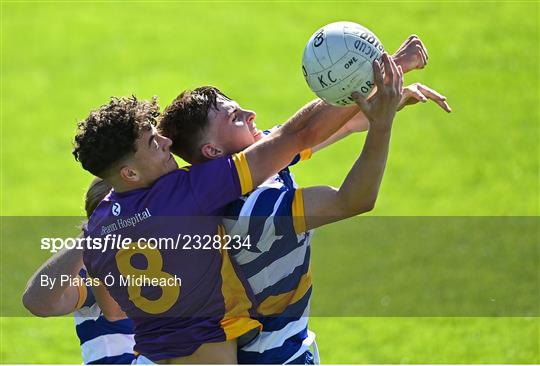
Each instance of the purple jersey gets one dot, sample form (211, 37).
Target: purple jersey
(199, 297)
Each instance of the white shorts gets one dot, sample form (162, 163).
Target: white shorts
(141, 360)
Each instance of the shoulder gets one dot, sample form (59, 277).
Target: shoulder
(170, 188)
(171, 178)
(208, 169)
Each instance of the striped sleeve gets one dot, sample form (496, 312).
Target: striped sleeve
(299, 219)
(304, 155)
(277, 268)
(266, 216)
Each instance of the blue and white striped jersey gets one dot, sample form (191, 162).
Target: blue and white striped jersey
(277, 267)
(102, 341)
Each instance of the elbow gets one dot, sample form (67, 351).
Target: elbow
(355, 210)
(30, 304)
(367, 206)
(35, 306)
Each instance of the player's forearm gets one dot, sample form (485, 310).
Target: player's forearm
(300, 119)
(326, 121)
(359, 123)
(318, 121)
(334, 119)
(343, 132)
(110, 308)
(360, 189)
(341, 121)
(312, 125)
(42, 296)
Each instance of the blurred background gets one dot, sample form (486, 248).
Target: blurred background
(61, 59)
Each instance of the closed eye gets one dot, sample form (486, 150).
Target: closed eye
(234, 115)
(151, 140)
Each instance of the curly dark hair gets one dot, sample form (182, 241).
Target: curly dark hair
(185, 120)
(109, 133)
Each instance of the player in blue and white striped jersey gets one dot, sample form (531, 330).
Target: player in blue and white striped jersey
(278, 218)
(102, 341)
(277, 268)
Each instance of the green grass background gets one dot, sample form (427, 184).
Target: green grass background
(60, 58)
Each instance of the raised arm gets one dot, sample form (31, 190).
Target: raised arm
(310, 126)
(412, 94)
(62, 298)
(358, 123)
(318, 124)
(359, 190)
(411, 55)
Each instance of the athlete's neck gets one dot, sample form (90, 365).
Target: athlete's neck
(121, 186)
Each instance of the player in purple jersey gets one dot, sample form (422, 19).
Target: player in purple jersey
(102, 341)
(321, 204)
(198, 306)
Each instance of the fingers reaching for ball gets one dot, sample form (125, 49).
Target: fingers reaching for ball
(378, 75)
(417, 92)
(412, 54)
(363, 103)
(381, 107)
(388, 69)
(435, 96)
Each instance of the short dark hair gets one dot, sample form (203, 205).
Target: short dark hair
(109, 133)
(95, 194)
(185, 120)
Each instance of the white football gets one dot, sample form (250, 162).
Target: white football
(338, 60)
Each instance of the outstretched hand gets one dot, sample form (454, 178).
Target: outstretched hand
(381, 108)
(417, 92)
(411, 55)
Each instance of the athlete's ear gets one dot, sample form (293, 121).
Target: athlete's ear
(209, 151)
(129, 174)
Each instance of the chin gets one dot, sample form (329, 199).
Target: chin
(248, 144)
(240, 147)
(258, 135)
